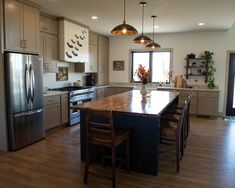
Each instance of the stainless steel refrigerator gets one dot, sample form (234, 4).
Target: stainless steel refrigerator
(24, 93)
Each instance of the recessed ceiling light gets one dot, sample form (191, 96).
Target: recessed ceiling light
(156, 26)
(94, 17)
(201, 24)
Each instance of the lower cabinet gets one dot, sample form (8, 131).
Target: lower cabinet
(52, 112)
(56, 111)
(100, 92)
(183, 96)
(108, 91)
(204, 103)
(64, 109)
(208, 103)
(117, 90)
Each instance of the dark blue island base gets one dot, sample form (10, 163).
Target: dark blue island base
(140, 117)
(144, 141)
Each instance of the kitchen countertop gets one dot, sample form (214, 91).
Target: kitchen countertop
(188, 89)
(54, 93)
(134, 86)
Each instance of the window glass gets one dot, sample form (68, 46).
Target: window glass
(161, 66)
(158, 62)
(140, 58)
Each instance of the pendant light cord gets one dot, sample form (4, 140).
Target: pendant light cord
(124, 21)
(142, 19)
(153, 26)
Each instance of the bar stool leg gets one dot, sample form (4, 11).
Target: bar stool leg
(113, 167)
(128, 154)
(87, 163)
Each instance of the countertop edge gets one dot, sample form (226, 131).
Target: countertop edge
(55, 93)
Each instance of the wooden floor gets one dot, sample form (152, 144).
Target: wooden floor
(209, 162)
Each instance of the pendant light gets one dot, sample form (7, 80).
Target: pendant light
(153, 45)
(124, 28)
(142, 39)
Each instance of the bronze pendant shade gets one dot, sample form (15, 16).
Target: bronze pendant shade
(142, 39)
(124, 28)
(153, 45)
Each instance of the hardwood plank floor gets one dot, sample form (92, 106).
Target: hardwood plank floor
(209, 162)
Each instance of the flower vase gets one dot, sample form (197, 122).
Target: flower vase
(143, 90)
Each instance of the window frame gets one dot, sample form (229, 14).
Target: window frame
(150, 61)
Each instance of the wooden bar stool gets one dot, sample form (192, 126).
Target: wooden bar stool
(173, 113)
(100, 131)
(175, 128)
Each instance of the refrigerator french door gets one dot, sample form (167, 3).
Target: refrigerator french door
(24, 93)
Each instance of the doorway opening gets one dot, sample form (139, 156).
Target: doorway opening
(230, 108)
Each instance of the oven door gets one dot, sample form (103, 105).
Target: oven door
(79, 99)
(74, 114)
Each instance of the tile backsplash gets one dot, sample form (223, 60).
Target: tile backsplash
(49, 79)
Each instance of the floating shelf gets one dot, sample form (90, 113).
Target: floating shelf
(195, 68)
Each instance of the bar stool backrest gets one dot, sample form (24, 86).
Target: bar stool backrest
(99, 124)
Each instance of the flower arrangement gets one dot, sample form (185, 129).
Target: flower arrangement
(143, 74)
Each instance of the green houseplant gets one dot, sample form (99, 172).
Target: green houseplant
(211, 69)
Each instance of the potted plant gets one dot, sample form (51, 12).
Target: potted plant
(145, 77)
(211, 69)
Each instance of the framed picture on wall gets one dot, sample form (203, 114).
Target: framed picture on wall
(62, 74)
(118, 65)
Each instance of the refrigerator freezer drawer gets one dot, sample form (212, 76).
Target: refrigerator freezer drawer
(26, 128)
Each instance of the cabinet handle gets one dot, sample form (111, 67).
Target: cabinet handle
(21, 44)
(44, 24)
(25, 43)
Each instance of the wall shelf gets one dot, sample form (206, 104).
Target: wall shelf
(196, 67)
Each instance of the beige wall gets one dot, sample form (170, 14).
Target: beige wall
(3, 133)
(182, 43)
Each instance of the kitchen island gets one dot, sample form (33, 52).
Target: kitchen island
(141, 117)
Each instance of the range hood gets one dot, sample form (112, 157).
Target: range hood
(73, 42)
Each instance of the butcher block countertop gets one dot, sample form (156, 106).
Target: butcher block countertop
(132, 102)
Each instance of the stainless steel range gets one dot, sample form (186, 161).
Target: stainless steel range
(77, 95)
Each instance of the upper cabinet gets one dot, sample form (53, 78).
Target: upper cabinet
(48, 43)
(92, 66)
(73, 42)
(103, 60)
(48, 25)
(49, 52)
(21, 27)
(103, 54)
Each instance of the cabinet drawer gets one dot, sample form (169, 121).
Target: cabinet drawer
(208, 106)
(183, 98)
(101, 91)
(208, 94)
(186, 93)
(52, 100)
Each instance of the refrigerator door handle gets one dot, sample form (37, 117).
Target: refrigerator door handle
(32, 83)
(28, 113)
(27, 75)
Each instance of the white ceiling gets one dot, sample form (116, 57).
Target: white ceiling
(173, 15)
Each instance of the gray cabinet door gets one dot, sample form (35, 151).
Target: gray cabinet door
(208, 103)
(13, 25)
(64, 109)
(52, 112)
